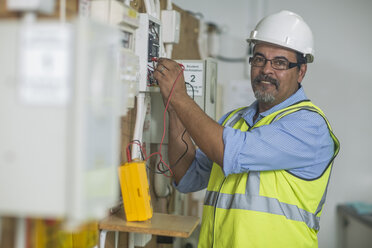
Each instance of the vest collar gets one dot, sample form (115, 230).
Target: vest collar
(299, 95)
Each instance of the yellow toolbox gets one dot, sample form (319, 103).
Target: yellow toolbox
(135, 191)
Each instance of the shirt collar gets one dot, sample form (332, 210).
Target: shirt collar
(299, 95)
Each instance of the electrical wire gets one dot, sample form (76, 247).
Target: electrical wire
(129, 150)
(164, 121)
(192, 89)
(182, 138)
(143, 154)
(155, 31)
(150, 75)
(164, 170)
(164, 129)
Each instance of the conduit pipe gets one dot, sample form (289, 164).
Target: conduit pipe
(127, 2)
(150, 7)
(138, 128)
(168, 47)
(162, 186)
(157, 8)
(62, 11)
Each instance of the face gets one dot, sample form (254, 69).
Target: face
(272, 86)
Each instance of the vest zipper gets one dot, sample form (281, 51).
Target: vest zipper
(215, 208)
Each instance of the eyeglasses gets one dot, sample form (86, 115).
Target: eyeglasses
(276, 63)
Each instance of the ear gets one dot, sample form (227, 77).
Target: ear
(301, 73)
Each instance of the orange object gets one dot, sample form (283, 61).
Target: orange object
(135, 191)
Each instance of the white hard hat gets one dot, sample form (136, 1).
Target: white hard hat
(285, 29)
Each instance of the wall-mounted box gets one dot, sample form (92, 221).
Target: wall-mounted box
(171, 20)
(59, 146)
(202, 76)
(148, 46)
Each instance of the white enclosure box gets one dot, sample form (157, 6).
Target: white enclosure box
(126, 20)
(114, 12)
(148, 46)
(171, 20)
(42, 6)
(59, 134)
(202, 75)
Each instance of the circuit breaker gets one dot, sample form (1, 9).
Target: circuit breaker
(148, 46)
(201, 79)
(59, 102)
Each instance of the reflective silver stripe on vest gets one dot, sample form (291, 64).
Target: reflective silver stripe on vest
(322, 201)
(251, 200)
(235, 118)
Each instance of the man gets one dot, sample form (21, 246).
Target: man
(267, 166)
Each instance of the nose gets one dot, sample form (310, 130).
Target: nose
(267, 69)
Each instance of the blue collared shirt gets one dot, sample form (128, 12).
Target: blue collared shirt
(299, 142)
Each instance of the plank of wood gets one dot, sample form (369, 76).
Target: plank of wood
(159, 224)
(188, 47)
(8, 232)
(72, 9)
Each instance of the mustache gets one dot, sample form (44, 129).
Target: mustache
(267, 79)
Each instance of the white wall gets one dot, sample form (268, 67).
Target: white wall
(339, 81)
(236, 21)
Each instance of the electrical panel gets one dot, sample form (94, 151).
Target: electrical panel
(201, 83)
(129, 67)
(119, 15)
(148, 46)
(126, 20)
(59, 145)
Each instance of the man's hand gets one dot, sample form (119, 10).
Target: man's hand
(184, 112)
(169, 73)
(166, 73)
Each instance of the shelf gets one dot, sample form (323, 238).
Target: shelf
(159, 224)
(348, 211)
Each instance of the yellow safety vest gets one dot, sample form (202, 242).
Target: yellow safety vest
(264, 208)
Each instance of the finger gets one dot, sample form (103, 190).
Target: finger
(161, 68)
(169, 64)
(158, 74)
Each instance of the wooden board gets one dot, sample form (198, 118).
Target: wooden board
(72, 7)
(8, 232)
(188, 47)
(159, 224)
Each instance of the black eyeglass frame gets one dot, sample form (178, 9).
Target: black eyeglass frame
(290, 64)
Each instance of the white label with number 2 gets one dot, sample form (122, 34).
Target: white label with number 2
(194, 75)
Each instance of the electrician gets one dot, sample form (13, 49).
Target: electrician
(266, 167)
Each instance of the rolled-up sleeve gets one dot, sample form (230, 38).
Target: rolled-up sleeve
(298, 140)
(197, 176)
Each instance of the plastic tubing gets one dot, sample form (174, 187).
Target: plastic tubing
(138, 127)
